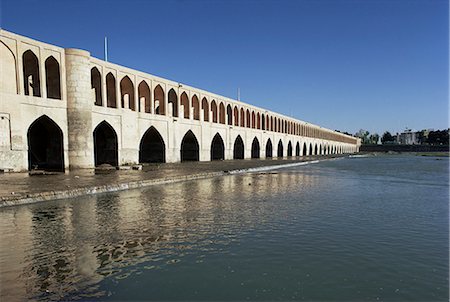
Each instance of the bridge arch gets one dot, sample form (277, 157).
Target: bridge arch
(297, 149)
(242, 121)
(105, 145)
(305, 151)
(189, 147)
(320, 149)
(127, 92)
(310, 149)
(159, 100)
(184, 99)
(248, 118)
(96, 84)
(253, 120)
(152, 148)
(31, 78)
(229, 115)
(53, 78)
(269, 148)
(45, 145)
(315, 150)
(196, 106)
(255, 148)
(172, 101)
(289, 149)
(205, 107)
(221, 113)
(258, 121)
(280, 149)
(236, 116)
(111, 91)
(214, 111)
(217, 148)
(238, 148)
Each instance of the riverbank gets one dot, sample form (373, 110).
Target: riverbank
(21, 188)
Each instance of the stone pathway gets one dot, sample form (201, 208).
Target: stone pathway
(21, 188)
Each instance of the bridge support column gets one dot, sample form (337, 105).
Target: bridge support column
(79, 109)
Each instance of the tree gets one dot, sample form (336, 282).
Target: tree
(438, 137)
(373, 138)
(363, 135)
(387, 138)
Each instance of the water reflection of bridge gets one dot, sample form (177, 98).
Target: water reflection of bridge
(70, 246)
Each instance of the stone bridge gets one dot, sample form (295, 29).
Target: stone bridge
(61, 108)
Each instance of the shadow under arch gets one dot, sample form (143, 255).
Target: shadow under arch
(189, 147)
(238, 148)
(217, 148)
(152, 148)
(45, 145)
(105, 145)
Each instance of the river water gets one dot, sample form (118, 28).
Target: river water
(369, 228)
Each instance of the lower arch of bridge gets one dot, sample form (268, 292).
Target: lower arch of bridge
(297, 149)
(189, 147)
(269, 148)
(255, 148)
(105, 145)
(280, 149)
(45, 145)
(152, 148)
(238, 148)
(217, 148)
(315, 150)
(304, 149)
(289, 149)
(320, 149)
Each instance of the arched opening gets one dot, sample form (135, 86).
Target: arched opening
(271, 124)
(105, 145)
(111, 91)
(229, 115)
(53, 79)
(315, 150)
(96, 85)
(152, 148)
(280, 149)
(289, 149)
(258, 121)
(242, 121)
(159, 100)
(310, 150)
(305, 151)
(269, 148)
(297, 149)
(145, 102)
(217, 148)
(248, 119)
(127, 93)
(185, 104)
(214, 111)
(253, 120)
(255, 148)
(320, 149)
(263, 120)
(236, 116)
(205, 107)
(196, 106)
(189, 147)
(221, 113)
(173, 102)
(45, 145)
(32, 83)
(238, 148)
(8, 82)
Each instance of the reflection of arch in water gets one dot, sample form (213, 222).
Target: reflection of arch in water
(45, 145)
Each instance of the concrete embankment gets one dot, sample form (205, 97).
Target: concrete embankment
(21, 188)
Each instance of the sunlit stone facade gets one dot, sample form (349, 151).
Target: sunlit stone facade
(61, 108)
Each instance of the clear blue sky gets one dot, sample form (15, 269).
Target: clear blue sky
(375, 64)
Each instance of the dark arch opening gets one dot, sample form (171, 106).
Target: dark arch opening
(185, 102)
(238, 149)
(144, 97)
(111, 91)
(173, 102)
(45, 145)
(96, 84)
(280, 149)
(196, 106)
(159, 100)
(255, 148)
(105, 145)
(31, 74)
(152, 148)
(315, 150)
(289, 149)
(217, 148)
(310, 149)
(297, 149)
(269, 148)
(320, 149)
(189, 147)
(229, 115)
(304, 149)
(127, 92)
(52, 77)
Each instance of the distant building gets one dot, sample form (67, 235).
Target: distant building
(408, 137)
